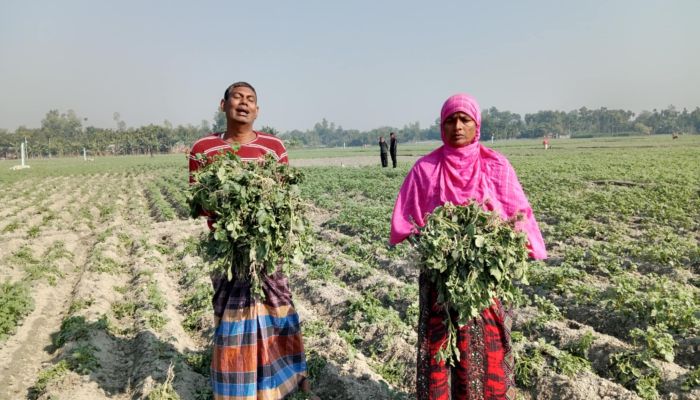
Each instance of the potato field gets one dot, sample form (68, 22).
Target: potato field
(104, 296)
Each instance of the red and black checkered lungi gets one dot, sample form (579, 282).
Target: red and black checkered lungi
(485, 369)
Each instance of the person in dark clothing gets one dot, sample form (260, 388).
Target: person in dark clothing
(383, 150)
(392, 148)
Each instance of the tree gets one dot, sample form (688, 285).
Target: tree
(544, 123)
(270, 130)
(219, 121)
(63, 132)
(121, 125)
(641, 128)
(500, 124)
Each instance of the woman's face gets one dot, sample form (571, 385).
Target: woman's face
(459, 129)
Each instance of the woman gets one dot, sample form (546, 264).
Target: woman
(459, 171)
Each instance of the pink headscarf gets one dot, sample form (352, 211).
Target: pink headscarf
(458, 175)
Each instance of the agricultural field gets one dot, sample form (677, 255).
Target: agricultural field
(103, 294)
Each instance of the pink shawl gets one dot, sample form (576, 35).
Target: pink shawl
(458, 175)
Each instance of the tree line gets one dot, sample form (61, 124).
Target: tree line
(581, 123)
(64, 134)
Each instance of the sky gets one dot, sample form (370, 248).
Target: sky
(360, 64)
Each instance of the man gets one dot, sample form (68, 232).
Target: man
(258, 350)
(392, 148)
(383, 149)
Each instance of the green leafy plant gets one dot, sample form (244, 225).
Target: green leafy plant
(76, 328)
(315, 365)
(548, 311)
(635, 370)
(472, 256)
(581, 346)
(43, 270)
(15, 303)
(46, 376)
(654, 300)
(123, 309)
(197, 305)
(320, 268)
(569, 364)
(80, 304)
(34, 231)
(656, 340)
(528, 366)
(83, 360)
(155, 320)
(260, 217)
(563, 361)
(11, 227)
(692, 380)
(199, 361)
(393, 371)
(160, 208)
(155, 296)
(314, 328)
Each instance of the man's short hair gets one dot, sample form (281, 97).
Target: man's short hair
(239, 84)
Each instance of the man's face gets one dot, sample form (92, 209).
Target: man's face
(241, 106)
(460, 129)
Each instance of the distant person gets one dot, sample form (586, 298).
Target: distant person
(383, 150)
(392, 147)
(545, 142)
(258, 349)
(458, 171)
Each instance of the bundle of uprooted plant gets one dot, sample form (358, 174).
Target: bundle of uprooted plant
(471, 256)
(260, 222)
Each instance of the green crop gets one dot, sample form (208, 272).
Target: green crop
(656, 340)
(528, 366)
(692, 380)
(260, 217)
(472, 256)
(581, 346)
(15, 303)
(635, 370)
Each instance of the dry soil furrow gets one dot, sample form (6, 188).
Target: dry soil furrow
(564, 333)
(24, 354)
(340, 372)
(330, 303)
(26, 192)
(133, 355)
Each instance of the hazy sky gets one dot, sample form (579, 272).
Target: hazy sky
(360, 64)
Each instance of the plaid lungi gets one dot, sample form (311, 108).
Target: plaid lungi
(258, 350)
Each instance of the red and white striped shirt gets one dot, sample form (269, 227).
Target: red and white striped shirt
(214, 143)
(256, 149)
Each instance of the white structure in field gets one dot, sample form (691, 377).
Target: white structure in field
(23, 165)
(85, 157)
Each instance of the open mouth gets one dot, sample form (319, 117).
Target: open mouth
(242, 112)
